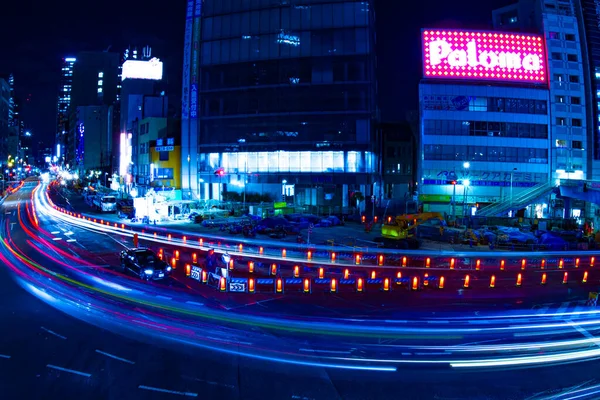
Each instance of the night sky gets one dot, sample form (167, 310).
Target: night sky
(35, 35)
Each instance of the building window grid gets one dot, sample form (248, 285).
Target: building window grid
(488, 104)
(485, 129)
(434, 152)
(289, 161)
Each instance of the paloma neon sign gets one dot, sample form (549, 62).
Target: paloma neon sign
(452, 54)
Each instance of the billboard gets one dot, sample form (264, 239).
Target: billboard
(138, 69)
(491, 56)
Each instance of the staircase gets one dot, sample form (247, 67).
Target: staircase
(522, 200)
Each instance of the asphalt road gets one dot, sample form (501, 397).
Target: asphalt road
(48, 354)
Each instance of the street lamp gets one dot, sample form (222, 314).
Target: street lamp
(466, 165)
(511, 186)
(283, 183)
(466, 184)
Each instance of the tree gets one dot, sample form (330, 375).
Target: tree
(358, 197)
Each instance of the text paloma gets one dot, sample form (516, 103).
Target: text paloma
(440, 50)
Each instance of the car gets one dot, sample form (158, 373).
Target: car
(145, 264)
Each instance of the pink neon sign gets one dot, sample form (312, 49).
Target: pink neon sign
(474, 55)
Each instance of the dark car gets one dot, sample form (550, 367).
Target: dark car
(144, 263)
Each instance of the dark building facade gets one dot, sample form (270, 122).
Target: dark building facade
(95, 83)
(398, 161)
(282, 98)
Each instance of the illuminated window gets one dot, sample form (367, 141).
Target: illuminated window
(294, 161)
(99, 90)
(100, 82)
(263, 161)
(284, 161)
(561, 143)
(305, 161)
(100, 74)
(213, 160)
(353, 158)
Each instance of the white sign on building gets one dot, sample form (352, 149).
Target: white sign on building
(138, 69)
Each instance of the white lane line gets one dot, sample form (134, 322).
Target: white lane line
(53, 333)
(4, 356)
(72, 371)
(159, 296)
(55, 232)
(194, 303)
(56, 238)
(325, 351)
(115, 357)
(71, 240)
(187, 394)
(69, 233)
(152, 325)
(12, 225)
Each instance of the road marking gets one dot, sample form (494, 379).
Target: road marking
(69, 233)
(55, 232)
(152, 325)
(164, 297)
(71, 240)
(56, 238)
(72, 371)
(194, 303)
(187, 394)
(115, 357)
(4, 356)
(325, 351)
(12, 225)
(53, 333)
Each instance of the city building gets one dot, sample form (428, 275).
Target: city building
(165, 165)
(572, 36)
(94, 130)
(485, 120)
(398, 165)
(64, 102)
(95, 83)
(280, 98)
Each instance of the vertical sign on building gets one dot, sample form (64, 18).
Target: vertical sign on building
(195, 62)
(189, 24)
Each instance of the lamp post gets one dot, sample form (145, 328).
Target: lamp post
(283, 183)
(466, 184)
(511, 186)
(454, 200)
(105, 178)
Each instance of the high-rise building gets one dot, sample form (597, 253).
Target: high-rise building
(280, 98)
(536, 141)
(95, 138)
(6, 114)
(95, 83)
(140, 91)
(64, 101)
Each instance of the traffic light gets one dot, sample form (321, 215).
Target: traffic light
(220, 172)
(453, 182)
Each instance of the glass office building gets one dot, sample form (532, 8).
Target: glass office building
(280, 99)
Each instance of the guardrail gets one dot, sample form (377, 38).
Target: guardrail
(271, 267)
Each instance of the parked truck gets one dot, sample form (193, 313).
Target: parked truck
(105, 203)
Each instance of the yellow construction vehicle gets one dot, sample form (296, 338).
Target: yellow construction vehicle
(400, 233)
